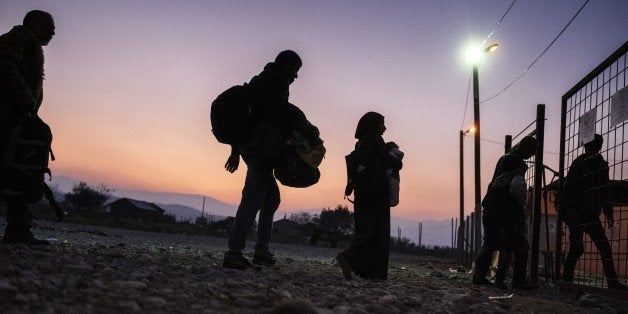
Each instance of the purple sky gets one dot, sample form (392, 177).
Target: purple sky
(129, 83)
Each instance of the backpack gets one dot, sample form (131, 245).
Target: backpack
(298, 165)
(231, 115)
(25, 153)
(498, 197)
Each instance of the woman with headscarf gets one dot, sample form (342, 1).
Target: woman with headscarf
(367, 256)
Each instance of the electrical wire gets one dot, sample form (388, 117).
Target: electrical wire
(498, 23)
(500, 143)
(537, 58)
(466, 103)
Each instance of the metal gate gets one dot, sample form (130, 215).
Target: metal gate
(595, 105)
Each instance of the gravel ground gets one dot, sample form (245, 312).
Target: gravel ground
(93, 269)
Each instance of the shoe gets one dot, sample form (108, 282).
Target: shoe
(240, 263)
(481, 281)
(264, 259)
(27, 239)
(524, 286)
(500, 285)
(345, 266)
(615, 285)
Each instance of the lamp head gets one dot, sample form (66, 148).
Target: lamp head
(491, 48)
(474, 54)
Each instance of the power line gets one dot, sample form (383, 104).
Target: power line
(491, 141)
(466, 103)
(498, 23)
(537, 58)
(500, 143)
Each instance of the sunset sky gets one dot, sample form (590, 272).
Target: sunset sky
(129, 84)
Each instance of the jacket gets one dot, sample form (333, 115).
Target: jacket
(273, 116)
(505, 195)
(372, 159)
(587, 187)
(21, 74)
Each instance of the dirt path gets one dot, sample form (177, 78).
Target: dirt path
(91, 269)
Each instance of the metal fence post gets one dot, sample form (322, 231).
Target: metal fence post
(538, 182)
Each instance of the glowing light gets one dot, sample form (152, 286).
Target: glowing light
(473, 55)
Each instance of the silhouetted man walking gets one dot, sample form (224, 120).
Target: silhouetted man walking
(21, 93)
(272, 117)
(586, 194)
(503, 219)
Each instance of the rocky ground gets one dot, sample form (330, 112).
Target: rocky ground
(91, 269)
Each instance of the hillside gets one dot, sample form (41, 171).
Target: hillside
(189, 206)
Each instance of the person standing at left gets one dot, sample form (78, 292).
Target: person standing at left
(21, 93)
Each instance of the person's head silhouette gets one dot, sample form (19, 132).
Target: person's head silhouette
(526, 147)
(289, 62)
(41, 24)
(371, 122)
(594, 146)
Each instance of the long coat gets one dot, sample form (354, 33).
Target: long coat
(273, 116)
(369, 251)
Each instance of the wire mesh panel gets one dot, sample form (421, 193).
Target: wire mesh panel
(594, 172)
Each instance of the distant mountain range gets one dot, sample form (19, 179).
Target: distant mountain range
(189, 206)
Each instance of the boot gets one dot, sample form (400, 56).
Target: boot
(568, 270)
(616, 285)
(524, 285)
(519, 272)
(503, 264)
(13, 235)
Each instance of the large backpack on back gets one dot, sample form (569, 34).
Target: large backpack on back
(24, 156)
(231, 115)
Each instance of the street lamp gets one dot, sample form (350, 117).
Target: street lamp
(461, 226)
(476, 56)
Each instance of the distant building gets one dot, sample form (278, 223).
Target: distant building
(288, 228)
(223, 225)
(134, 209)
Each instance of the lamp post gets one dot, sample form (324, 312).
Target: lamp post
(461, 231)
(476, 123)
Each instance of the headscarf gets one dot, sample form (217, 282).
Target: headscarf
(369, 123)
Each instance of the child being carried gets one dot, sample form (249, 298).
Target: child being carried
(393, 175)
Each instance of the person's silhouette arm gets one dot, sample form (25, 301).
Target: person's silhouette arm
(605, 184)
(233, 161)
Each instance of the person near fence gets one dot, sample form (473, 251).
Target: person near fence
(586, 193)
(275, 118)
(367, 256)
(503, 219)
(21, 92)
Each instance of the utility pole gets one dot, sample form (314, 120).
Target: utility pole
(203, 211)
(420, 233)
(476, 141)
(452, 232)
(455, 234)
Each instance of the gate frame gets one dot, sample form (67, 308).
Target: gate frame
(561, 162)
